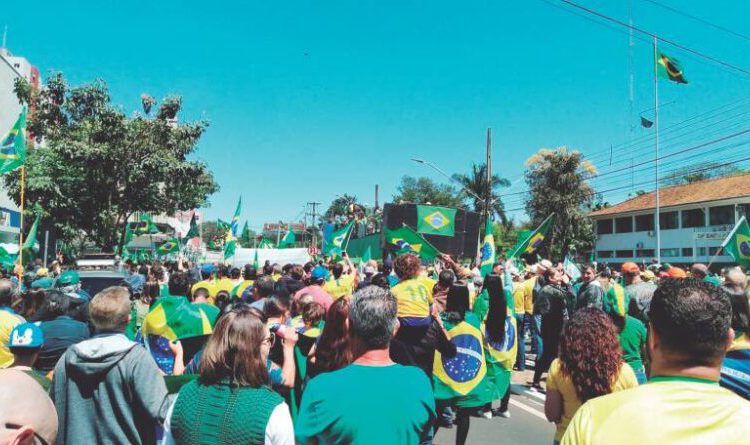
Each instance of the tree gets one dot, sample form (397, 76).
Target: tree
(342, 205)
(556, 179)
(426, 191)
(477, 183)
(701, 172)
(96, 166)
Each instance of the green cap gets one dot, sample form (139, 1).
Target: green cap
(42, 283)
(68, 278)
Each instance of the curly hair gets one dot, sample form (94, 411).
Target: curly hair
(406, 266)
(590, 353)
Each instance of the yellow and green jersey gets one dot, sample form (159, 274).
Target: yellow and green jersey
(339, 287)
(413, 298)
(667, 410)
(8, 320)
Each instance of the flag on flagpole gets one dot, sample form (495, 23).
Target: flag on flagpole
(194, 231)
(737, 243)
(535, 239)
(256, 263)
(571, 269)
(434, 220)
(407, 240)
(266, 244)
(669, 68)
(13, 146)
(27, 251)
(335, 245)
(487, 250)
(236, 218)
(171, 246)
(288, 240)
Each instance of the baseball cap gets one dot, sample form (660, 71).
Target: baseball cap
(42, 283)
(68, 278)
(208, 268)
(26, 335)
(676, 272)
(630, 268)
(319, 273)
(648, 276)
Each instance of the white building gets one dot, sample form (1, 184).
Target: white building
(11, 68)
(694, 219)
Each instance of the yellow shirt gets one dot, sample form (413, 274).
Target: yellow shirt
(518, 298)
(8, 321)
(209, 285)
(340, 287)
(429, 283)
(528, 295)
(562, 383)
(413, 298)
(225, 284)
(682, 411)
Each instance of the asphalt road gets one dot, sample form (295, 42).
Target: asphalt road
(526, 425)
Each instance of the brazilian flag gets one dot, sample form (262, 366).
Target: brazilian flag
(616, 300)
(500, 356)
(408, 241)
(171, 246)
(737, 244)
(433, 220)
(175, 318)
(534, 240)
(669, 68)
(463, 379)
(13, 145)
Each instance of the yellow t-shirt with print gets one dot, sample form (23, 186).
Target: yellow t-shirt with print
(413, 298)
(8, 320)
(339, 287)
(562, 383)
(666, 410)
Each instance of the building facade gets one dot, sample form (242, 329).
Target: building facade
(11, 68)
(694, 219)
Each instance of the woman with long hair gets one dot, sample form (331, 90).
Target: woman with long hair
(494, 307)
(231, 401)
(467, 368)
(590, 365)
(333, 350)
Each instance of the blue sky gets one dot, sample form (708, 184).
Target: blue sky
(307, 100)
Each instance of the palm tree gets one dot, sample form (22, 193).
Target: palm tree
(476, 182)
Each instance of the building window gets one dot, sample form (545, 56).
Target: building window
(721, 215)
(668, 220)
(645, 253)
(604, 226)
(644, 223)
(713, 250)
(604, 254)
(701, 251)
(624, 224)
(687, 251)
(670, 252)
(693, 218)
(623, 253)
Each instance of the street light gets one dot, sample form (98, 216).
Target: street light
(450, 178)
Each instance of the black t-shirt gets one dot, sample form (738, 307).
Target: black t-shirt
(59, 335)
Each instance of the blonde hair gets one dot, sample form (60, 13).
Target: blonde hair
(110, 309)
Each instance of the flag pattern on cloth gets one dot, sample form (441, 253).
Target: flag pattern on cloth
(148, 226)
(245, 231)
(487, 250)
(222, 225)
(500, 356)
(571, 269)
(230, 246)
(288, 240)
(669, 68)
(535, 239)
(616, 300)
(13, 145)
(266, 244)
(336, 243)
(406, 240)
(30, 242)
(175, 318)
(463, 378)
(367, 256)
(433, 220)
(236, 218)
(194, 231)
(170, 246)
(737, 244)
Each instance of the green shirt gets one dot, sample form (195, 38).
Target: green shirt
(632, 337)
(366, 405)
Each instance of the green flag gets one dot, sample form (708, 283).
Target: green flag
(336, 244)
(13, 147)
(229, 248)
(288, 240)
(408, 241)
(737, 244)
(487, 250)
(669, 68)
(436, 220)
(149, 226)
(256, 263)
(246, 232)
(28, 244)
(535, 239)
(194, 231)
(367, 256)
(236, 218)
(222, 226)
(171, 246)
(265, 244)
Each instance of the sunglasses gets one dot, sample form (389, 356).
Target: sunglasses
(37, 438)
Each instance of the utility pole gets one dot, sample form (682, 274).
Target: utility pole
(488, 196)
(314, 215)
(377, 189)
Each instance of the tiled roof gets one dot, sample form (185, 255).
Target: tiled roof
(702, 191)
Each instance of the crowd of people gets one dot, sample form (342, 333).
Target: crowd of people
(387, 353)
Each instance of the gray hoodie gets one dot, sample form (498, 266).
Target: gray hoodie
(108, 390)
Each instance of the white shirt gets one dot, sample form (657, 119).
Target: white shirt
(279, 431)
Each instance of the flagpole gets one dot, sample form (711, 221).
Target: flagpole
(656, 155)
(20, 232)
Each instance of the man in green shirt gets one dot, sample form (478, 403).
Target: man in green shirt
(373, 400)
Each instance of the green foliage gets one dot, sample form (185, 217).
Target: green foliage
(342, 205)
(426, 191)
(96, 166)
(556, 179)
(476, 182)
(702, 171)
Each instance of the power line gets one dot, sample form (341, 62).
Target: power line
(700, 20)
(650, 34)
